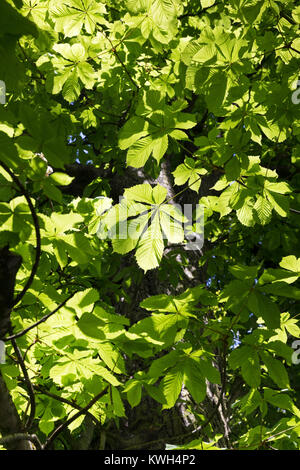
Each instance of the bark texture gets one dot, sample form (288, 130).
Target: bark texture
(146, 427)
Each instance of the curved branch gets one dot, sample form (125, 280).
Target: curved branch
(37, 233)
(28, 383)
(43, 319)
(66, 401)
(64, 425)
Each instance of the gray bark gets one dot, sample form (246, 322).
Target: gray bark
(10, 422)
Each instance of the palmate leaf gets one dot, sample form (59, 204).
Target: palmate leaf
(279, 202)
(71, 15)
(74, 53)
(151, 246)
(251, 370)
(149, 136)
(160, 20)
(71, 71)
(158, 330)
(187, 171)
(68, 368)
(141, 150)
(142, 220)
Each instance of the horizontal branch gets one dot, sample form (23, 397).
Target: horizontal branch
(21, 437)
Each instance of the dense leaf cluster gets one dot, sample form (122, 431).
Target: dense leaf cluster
(116, 111)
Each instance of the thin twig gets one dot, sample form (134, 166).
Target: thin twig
(64, 425)
(66, 401)
(28, 384)
(45, 317)
(114, 50)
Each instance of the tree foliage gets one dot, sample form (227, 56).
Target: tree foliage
(117, 115)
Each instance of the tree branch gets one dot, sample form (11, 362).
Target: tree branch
(21, 437)
(66, 401)
(28, 384)
(37, 233)
(43, 319)
(64, 425)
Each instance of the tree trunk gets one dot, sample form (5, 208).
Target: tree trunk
(10, 422)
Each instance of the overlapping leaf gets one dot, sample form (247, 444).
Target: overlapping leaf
(142, 220)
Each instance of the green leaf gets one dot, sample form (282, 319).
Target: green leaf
(194, 380)
(173, 230)
(160, 328)
(160, 146)
(207, 3)
(140, 151)
(281, 188)
(51, 191)
(71, 87)
(239, 356)
(197, 444)
(186, 172)
(233, 169)
(128, 233)
(134, 393)
(159, 365)
(209, 371)
(263, 209)
(163, 12)
(151, 246)
(62, 179)
(281, 400)
(236, 293)
(262, 306)
(291, 263)
(140, 193)
(71, 15)
(251, 370)
(244, 272)
(171, 386)
(276, 370)
(117, 403)
(111, 357)
(135, 128)
(246, 213)
(156, 393)
(279, 202)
